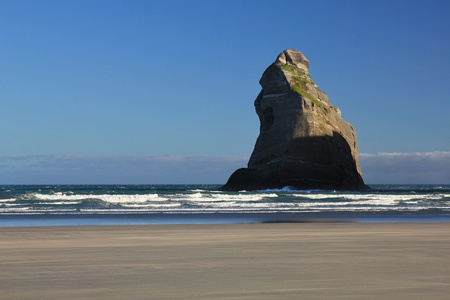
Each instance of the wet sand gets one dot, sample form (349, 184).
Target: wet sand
(228, 261)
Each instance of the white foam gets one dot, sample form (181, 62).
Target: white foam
(152, 205)
(117, 199)
(14, 209)
(7, 200)
(199, 200)
(12, 205)
(207, 197)
(377, 198)
(60, 203)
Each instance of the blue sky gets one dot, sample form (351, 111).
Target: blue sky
(162, 91)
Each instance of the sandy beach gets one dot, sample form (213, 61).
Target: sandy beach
(227, 261)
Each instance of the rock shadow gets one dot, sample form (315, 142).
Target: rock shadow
(322, 162)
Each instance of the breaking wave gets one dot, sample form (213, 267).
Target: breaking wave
(138, 199)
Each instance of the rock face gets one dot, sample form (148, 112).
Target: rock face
(303, 142)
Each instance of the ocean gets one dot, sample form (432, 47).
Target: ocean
(51, 205)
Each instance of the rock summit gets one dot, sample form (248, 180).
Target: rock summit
(303, 141)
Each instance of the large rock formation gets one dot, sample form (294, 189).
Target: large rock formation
(303, 142)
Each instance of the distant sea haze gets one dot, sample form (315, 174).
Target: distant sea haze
(153, 204)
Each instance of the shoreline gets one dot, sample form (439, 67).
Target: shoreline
(227, 261)
(82, 219)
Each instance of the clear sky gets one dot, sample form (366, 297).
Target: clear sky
(120, 91)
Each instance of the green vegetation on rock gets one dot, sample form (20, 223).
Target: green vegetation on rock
(287, 68)
(299, 84)
(298, 88)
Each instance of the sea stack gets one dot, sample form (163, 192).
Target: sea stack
(303, 141)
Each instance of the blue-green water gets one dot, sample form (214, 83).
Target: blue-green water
(23, 205)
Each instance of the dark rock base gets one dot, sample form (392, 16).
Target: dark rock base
(278, 177)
